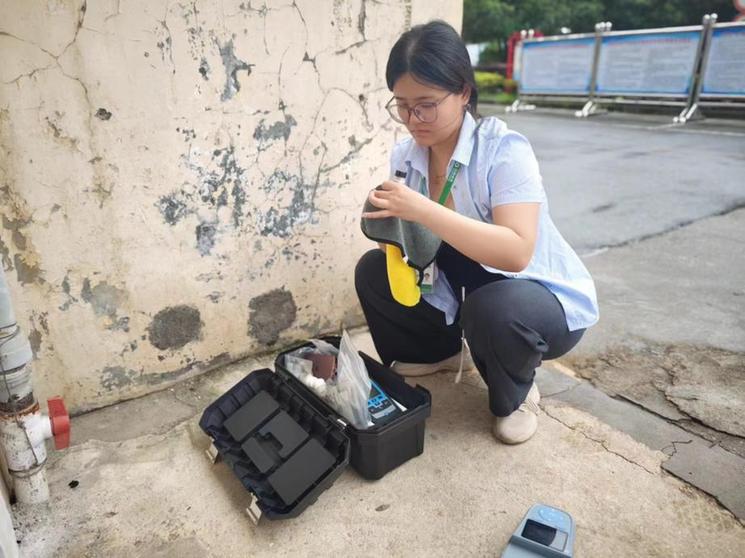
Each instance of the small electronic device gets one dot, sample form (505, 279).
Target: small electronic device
(544, 531)
(382, 408)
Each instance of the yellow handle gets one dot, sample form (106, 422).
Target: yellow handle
(401, 277)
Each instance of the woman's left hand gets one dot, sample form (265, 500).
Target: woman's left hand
(397, 200)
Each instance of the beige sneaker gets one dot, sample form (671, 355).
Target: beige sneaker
(522, 423)
(451, 364)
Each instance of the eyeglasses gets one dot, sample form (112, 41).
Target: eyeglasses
(425, 112)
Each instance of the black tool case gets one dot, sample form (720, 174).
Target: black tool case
(287, 446)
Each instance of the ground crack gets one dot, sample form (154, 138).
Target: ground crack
(739, 204)
(600, 442)
(673, 445)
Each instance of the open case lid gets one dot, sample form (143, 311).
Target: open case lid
(282, 448)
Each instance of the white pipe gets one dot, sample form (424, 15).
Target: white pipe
(23, 429)
(23, 438)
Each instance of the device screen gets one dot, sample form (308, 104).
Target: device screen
(545, 535)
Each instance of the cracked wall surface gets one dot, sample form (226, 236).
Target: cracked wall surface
(181, 182)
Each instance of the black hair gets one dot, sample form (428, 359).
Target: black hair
(435, 54)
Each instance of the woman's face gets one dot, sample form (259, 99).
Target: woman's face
(430, 102)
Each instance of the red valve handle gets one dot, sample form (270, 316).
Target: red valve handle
(60, 422)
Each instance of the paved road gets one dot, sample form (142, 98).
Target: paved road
(617, 178)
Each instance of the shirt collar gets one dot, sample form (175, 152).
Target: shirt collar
(418, 156)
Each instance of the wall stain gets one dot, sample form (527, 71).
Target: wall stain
(206, 233)
(172, 207)
(66, 290)
(38, 321)
(215, 296)
(265, 135)
(218, 183)
(214, 183)
(214, 362)
(204, 69)
(117, 377)
(166, 44)
(189, 133)
(27, 272)
(55, 127)
(232, 65)
(103, 114)
(120, 324)
(14, 226)
(34, 339)
(130, 347)
(5, 253)
(175, 326)
(270, 314)
(103, 298)
(103, 186)
(280, 222)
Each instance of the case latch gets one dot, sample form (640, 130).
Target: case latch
(253, 510)
(212, 454)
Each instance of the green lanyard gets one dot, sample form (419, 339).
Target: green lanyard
(448, 183)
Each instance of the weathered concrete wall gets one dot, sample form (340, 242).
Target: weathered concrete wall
(181, 181)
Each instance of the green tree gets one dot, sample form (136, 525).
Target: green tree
(488, 20)
(550, 16)
(495, 20)
(645, 14)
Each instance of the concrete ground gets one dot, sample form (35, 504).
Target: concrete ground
(145, 488)
(641, 435)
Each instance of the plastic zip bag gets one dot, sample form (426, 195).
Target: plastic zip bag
(349, 391)
(352, 385)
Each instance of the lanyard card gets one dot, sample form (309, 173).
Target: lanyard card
(428, 278)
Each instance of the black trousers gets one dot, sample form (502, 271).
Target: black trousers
(511, 325)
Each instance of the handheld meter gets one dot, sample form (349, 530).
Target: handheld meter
(382, 409)
(544, 531)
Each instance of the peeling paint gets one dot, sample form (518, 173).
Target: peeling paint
(265, 135)
(205, 233)
(129, 347)
(66, 289)
(26, 272)
(105, 299)
(117, 377)
(174, 327)
(5, 253)
(217, 184)
(271, 314)
(38, 320)
(172, 207)
(281, 222)
(232, 66)
(120, 324)
(15, 225)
